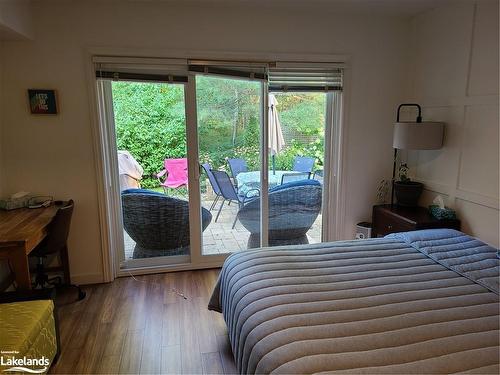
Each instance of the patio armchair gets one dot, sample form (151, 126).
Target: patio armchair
(229, 193)
(208, 170)
(237, 166)
(174, 175)
(290, 177)
(158, 224)
(293, 209)
(318, 175)
(303, 164)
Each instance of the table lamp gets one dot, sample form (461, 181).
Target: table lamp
(414, 135)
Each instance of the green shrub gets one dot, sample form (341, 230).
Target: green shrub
(150, 124)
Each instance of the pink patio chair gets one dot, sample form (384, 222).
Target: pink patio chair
(177, 174)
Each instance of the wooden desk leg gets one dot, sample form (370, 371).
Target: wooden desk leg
(19, 263)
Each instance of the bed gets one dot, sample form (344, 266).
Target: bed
(414, 302)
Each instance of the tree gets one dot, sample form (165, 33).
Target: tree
(150, 123)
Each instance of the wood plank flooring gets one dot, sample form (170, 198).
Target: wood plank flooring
(140, 326)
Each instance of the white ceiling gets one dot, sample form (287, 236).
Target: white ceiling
(389, 7)
(397, 8)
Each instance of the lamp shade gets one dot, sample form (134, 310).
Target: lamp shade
(418, 135)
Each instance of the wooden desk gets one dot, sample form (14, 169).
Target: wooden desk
(20, 231)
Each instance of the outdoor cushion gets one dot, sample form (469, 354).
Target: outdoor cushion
(29, 329)
(142, 191)
(295, 184)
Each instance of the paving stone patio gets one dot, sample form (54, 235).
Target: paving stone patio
(219, 238)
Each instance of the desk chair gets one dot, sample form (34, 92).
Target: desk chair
(56, 244)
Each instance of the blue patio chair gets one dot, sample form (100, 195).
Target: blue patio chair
(293, 209)
(237, 166)
(208, 170)
(318, 175)
(303, 164)
(290, 177)
(158, 224)
(229, 193)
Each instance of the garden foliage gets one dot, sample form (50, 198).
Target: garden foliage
(151, 124)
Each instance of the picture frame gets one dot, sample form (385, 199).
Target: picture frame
(42, 101)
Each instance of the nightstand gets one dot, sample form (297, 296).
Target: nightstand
(391, 219)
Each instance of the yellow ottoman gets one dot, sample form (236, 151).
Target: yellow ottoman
(27, 336)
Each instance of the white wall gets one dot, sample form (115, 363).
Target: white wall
(456, 80)
(1, 117)
(4, 269)
(15, 19)
(54, 154)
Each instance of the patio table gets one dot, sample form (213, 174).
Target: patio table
(248, 181)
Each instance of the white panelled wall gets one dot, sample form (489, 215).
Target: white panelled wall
(456, 76)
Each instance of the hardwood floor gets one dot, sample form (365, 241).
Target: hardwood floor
(143, 327)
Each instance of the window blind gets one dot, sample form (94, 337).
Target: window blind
(244, 70)
(313, 77)
(140, 77)
(281, 76)
(141, 70)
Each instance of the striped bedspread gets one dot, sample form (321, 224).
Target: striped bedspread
(367, 306)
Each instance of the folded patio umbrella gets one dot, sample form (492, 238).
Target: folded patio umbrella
(276, 140)
(129, 169)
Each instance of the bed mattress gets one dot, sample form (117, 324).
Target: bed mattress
(417, 302)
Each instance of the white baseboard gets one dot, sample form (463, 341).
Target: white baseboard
(87, 278)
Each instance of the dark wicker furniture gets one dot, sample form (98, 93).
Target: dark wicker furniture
(293, 208)
(158, 224)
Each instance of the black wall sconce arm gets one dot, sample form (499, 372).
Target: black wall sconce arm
(419, 116)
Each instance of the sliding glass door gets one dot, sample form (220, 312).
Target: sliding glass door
(229, 129)
(216, 159)
(296, 150)
(151, 146)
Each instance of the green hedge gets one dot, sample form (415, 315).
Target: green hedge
(150, 123)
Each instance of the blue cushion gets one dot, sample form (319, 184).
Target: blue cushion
(142, 191)
(295, 184)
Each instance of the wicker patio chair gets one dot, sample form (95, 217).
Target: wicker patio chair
(158, 224)
(293, 208)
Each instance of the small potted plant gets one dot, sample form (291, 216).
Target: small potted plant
(407, 192)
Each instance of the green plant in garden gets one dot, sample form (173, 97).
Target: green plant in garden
(151, 125)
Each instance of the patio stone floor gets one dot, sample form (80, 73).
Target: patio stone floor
(219, 238)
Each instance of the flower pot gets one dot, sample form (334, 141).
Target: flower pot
(408, 192)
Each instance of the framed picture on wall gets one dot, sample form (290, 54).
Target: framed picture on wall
(42, 102)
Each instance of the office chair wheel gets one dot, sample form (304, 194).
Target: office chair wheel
(41, 280)
(81, 294)
(55, 281)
